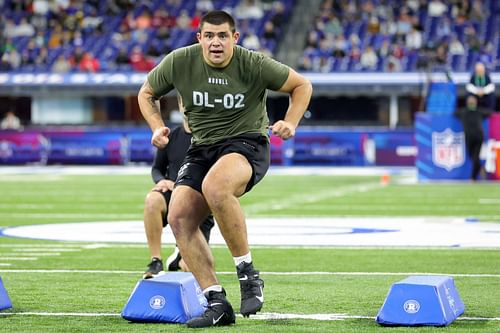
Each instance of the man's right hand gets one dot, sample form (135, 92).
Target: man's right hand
(159, 138)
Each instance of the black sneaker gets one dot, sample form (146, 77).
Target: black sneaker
(251, 287)
(218, 313)
(173, 260)
(155, 269)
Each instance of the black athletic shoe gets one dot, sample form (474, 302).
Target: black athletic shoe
(251, 287)
(218, 313)
(173, 260)
(155, 269)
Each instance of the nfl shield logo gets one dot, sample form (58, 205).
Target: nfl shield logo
(448, 149)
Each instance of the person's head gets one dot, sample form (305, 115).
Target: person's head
(471, 102)
(479, 69)
(217, 35)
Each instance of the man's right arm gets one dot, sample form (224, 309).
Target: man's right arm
(150, 110)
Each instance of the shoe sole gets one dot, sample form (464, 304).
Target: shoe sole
(148, 276)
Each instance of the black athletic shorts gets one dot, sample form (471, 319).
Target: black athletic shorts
(200, 158)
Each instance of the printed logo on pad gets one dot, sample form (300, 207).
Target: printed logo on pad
(411, 306)
(157, 302)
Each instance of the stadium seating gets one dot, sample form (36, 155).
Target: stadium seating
(374, 22)
(391, 18)
(115, 26)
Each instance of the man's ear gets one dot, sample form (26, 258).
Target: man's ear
(236, 36)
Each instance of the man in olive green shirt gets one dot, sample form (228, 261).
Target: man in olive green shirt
(222, 88)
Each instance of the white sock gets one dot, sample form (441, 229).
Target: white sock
(215, 287)
(246, 258)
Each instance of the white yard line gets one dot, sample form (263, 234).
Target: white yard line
(94, 271)
(18, 258)
(261, 316)
(37, 254)
(48, 250)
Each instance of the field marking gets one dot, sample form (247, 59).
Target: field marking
(489, 201)
(37, 254)
(95, 271)
(19, 258)
(261, 316)
(301, 198)
(449, 232)
(29, 250)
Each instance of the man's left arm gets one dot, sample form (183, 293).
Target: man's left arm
(300, 90)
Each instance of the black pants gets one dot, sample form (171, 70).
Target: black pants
(473, 142)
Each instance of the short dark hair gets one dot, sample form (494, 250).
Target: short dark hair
(218, 17)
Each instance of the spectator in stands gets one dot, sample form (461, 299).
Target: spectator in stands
(162, 18)
(443, 29)
(204, 5)
(195, 19)
(184, 20)
(385, 48)
(472, 121)
(472, 39)
(42, 60)
(76, 57)
(164, 172)
(11, 121)
(144, 20)
(251, 41)
(333, 25)
(269, 31)
(122, 58)
(279, 14)
(369, 59)
(9, 29)
(340, 47)
(373, 25)
(456, 47)
(248, 9)
(29, 54)
(92, 22)
(355, 55)
(482, 87)
(477, 11)
(122, 36)
(56, 36)
(12, 59)
(5, 65)
(24, 28)
(393, 64)
(414, 39)
(61, 65)
(436, 8)
(139, 62)
(89, 63)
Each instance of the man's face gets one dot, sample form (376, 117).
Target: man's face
(217, 42)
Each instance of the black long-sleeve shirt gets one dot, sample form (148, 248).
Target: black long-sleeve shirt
(472, 120)
(168, 160)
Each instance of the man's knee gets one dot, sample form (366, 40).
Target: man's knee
(154, 203)
(180, 223)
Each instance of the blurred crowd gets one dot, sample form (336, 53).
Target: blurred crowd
(95, 36)
(402, 35)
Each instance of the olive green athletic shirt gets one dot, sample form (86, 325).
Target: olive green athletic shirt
(220, 102)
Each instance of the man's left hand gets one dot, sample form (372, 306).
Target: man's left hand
(283, 129)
